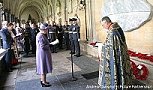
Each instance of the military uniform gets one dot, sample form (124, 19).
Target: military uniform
(74, 36)
(52, 37)
(60, 36)
(66, 36)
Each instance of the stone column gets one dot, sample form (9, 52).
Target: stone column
(8, 16)
(94, 34)
(54, 6)
(65, 10)
(91, 21)
(16, 19)
(12, 18)
(85, 16)
(5, 14)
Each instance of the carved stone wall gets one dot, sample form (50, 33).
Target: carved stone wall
(130, 14)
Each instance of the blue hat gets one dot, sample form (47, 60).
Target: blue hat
(45, 24)
(43, 27)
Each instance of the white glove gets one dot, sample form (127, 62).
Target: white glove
(54, 42)
(78, 39)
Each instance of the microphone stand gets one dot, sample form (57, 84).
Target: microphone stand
(73, 78)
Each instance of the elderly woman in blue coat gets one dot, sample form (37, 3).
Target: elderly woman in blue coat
(43, 55)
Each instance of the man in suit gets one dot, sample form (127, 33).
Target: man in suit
(27, 37)
(7, 44)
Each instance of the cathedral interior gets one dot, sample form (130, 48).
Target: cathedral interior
(134, 16)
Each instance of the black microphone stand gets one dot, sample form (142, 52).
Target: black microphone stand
(73, 78)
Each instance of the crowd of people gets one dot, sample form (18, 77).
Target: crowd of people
(24, 38)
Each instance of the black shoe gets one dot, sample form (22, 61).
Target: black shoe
(72, 52)
(45, 84)
(77, 55)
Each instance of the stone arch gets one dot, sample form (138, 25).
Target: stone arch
(36, 13)
(40, 4)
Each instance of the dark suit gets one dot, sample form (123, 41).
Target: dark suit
(7, 41)
(27, 37)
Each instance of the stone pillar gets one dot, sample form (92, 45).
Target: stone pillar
(91, 26)
(54, 6)
(16, 19)
(5, 14)
(12, 18)
(85, 16)
(8, 16)
(65, 10)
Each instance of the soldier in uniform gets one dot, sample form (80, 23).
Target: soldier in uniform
(60, 36)
(74, 36)
(33, 33)
(27, 39)
(66, 35)
(52, 36)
